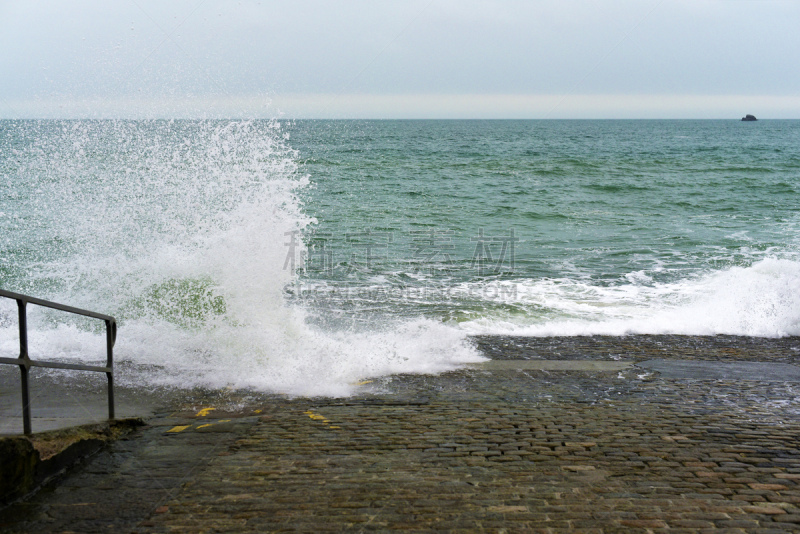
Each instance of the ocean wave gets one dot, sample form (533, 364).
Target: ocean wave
(757, 300)
(188, 233)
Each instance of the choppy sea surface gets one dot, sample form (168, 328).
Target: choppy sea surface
(304, 256)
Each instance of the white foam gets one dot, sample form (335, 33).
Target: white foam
(758, 300)
(181, 232)
(293, 358)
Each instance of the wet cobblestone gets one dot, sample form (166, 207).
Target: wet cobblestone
(469, 451)
(641, 347)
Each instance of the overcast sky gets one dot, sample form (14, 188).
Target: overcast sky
(400, 59)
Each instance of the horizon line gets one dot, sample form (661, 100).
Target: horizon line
(397, 119)
(323, 106)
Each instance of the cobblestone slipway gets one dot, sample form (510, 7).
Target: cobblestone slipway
(507, 449)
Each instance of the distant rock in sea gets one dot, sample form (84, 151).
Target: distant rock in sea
(749, 118)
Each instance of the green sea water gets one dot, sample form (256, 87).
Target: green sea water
(368, 247)
(594, 205)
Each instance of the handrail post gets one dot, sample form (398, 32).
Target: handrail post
(111, 336)
(24, 365)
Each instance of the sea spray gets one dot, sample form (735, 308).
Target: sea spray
(404, 238)
(758, 300)
(181, 230)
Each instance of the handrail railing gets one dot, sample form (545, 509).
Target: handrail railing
(25, 363)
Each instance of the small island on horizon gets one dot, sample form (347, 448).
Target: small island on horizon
(749, 118)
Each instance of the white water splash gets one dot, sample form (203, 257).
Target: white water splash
(180, 230)
(759, 300)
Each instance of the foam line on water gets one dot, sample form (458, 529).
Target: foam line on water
(757, 300)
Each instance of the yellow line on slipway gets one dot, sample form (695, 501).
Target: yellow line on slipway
(202, 413)
(214, 423)
(318, 417)
(181, 428)
(205, 411)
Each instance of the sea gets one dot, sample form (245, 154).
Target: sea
(307, 257)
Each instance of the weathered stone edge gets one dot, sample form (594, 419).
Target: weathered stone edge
(28, 462)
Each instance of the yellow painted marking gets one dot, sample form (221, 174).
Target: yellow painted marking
(205, 425)
(364, 382)
(178, 428)
(257, 411)
(316, 416)
(204, 412)
(224, 421)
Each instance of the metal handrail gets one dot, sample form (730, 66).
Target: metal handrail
(25, 363)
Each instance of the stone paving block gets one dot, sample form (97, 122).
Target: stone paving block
(487, 457)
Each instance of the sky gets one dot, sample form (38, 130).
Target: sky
(534, 59)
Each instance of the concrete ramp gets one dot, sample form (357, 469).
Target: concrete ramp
(552, 365)
(716, 370)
